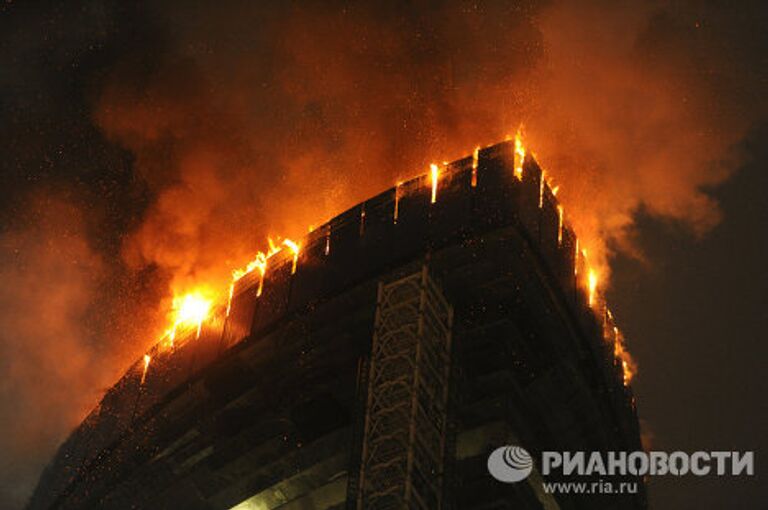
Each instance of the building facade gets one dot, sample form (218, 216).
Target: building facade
(412, 335)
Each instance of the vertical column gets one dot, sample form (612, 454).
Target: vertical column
(404, 441)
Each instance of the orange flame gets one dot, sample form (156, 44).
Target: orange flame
(191, 309)
(592, 280)
(435, 175)
(194, 308)
(171, 337)
(294, 247)
(229, 298)
(188, 310)
(519, 155)
(260, 261)
(147, 359)
(628, 365)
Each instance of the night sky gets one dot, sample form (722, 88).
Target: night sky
(696, 322)
(111, 115)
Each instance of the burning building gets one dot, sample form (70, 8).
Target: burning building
(375, 364)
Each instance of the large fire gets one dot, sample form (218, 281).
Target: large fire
(193, 308)
(189, 310)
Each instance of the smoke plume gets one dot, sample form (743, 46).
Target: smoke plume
(307, 110)
(51, 370)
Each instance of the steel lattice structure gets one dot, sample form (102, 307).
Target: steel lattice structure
(405, 426)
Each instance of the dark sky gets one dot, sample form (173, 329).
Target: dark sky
(696, 319)
(112, 115)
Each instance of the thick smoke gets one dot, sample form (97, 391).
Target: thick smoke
(631, 115)
(51, 370)
(262, 121)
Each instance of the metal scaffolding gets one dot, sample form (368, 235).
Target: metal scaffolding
(404, 440)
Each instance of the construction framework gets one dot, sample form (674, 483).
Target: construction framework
(404, 440)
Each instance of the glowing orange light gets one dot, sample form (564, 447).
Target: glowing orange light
(229, 298)
(628, 372)
(592, 282)
(435, 175)
(192, 308)
(261, 259)
(189, 310)
(519, 155)
(260, 288)
(628, 365)
(147, 359)
(294, 247)
(260, 263)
